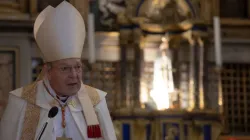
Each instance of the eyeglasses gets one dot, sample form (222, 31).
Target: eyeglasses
(68, 69)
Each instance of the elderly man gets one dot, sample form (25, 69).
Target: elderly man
(82, 110)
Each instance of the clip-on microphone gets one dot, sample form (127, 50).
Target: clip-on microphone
(52, 113)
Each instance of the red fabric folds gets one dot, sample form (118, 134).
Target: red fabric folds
(94, 131)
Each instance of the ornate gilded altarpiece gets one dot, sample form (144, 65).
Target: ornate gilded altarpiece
(9, 73)
(12, 9)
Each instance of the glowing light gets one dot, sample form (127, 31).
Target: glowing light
(163, 83)
(144, 93)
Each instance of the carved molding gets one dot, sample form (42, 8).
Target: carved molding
(235, 22)
(215, 7)
(9, 73)
(29, 9)
(206, 10)
(235, 32)
(36, 6)
(14, 9)
(83, 7)
(248, 7)
(16, 52)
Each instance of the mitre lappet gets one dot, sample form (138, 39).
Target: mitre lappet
(60, 34)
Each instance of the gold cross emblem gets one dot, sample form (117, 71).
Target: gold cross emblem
(72, 103)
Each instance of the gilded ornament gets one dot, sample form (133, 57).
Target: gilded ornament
(72, 103)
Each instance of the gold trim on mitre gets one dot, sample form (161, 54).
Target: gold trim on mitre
(62, 33)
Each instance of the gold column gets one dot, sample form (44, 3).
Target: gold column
(220, 93)
(216, 7)
(137, 66)
(191, 78)
(124, 99)
(201, 74)
(248, 8)
(33, 8)
(191, 74)
(83, 7)
(206, 10)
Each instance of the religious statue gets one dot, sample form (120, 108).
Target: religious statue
(163, 83)
(145, 18)
(109, 7)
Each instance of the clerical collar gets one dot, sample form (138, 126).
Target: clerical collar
(62, 99)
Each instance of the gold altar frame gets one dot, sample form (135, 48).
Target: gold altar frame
(177, 121)
(18, 5)
(14, 10)
(215, 10)
(16, 53)
(120, 123)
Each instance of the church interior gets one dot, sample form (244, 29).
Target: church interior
(173, 69)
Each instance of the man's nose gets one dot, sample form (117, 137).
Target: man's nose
(73, 73)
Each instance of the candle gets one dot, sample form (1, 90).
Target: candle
(91, 37)
(217, 41)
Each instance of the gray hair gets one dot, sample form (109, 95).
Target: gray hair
(49, 65)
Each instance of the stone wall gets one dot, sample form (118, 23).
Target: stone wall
(6, 80)
(15, 64)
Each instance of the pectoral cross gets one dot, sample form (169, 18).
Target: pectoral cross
(72, 103)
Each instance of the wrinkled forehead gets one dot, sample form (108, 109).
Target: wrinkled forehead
(71, 61)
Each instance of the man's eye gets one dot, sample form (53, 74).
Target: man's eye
(78, 66)
(64, 68)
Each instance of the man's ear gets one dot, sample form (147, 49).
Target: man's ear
(46, 70)
(43, 73)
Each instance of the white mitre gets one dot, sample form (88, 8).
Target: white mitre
(60, 32)
(40, 18)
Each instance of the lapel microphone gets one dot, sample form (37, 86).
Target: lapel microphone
(52, 113)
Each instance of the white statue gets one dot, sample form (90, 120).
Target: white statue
(163, 84)
(107, 7)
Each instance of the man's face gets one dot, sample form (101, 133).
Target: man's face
(65, 76)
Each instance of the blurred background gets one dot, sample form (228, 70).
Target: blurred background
(173, 69)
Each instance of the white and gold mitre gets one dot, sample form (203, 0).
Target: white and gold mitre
(60, 32)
